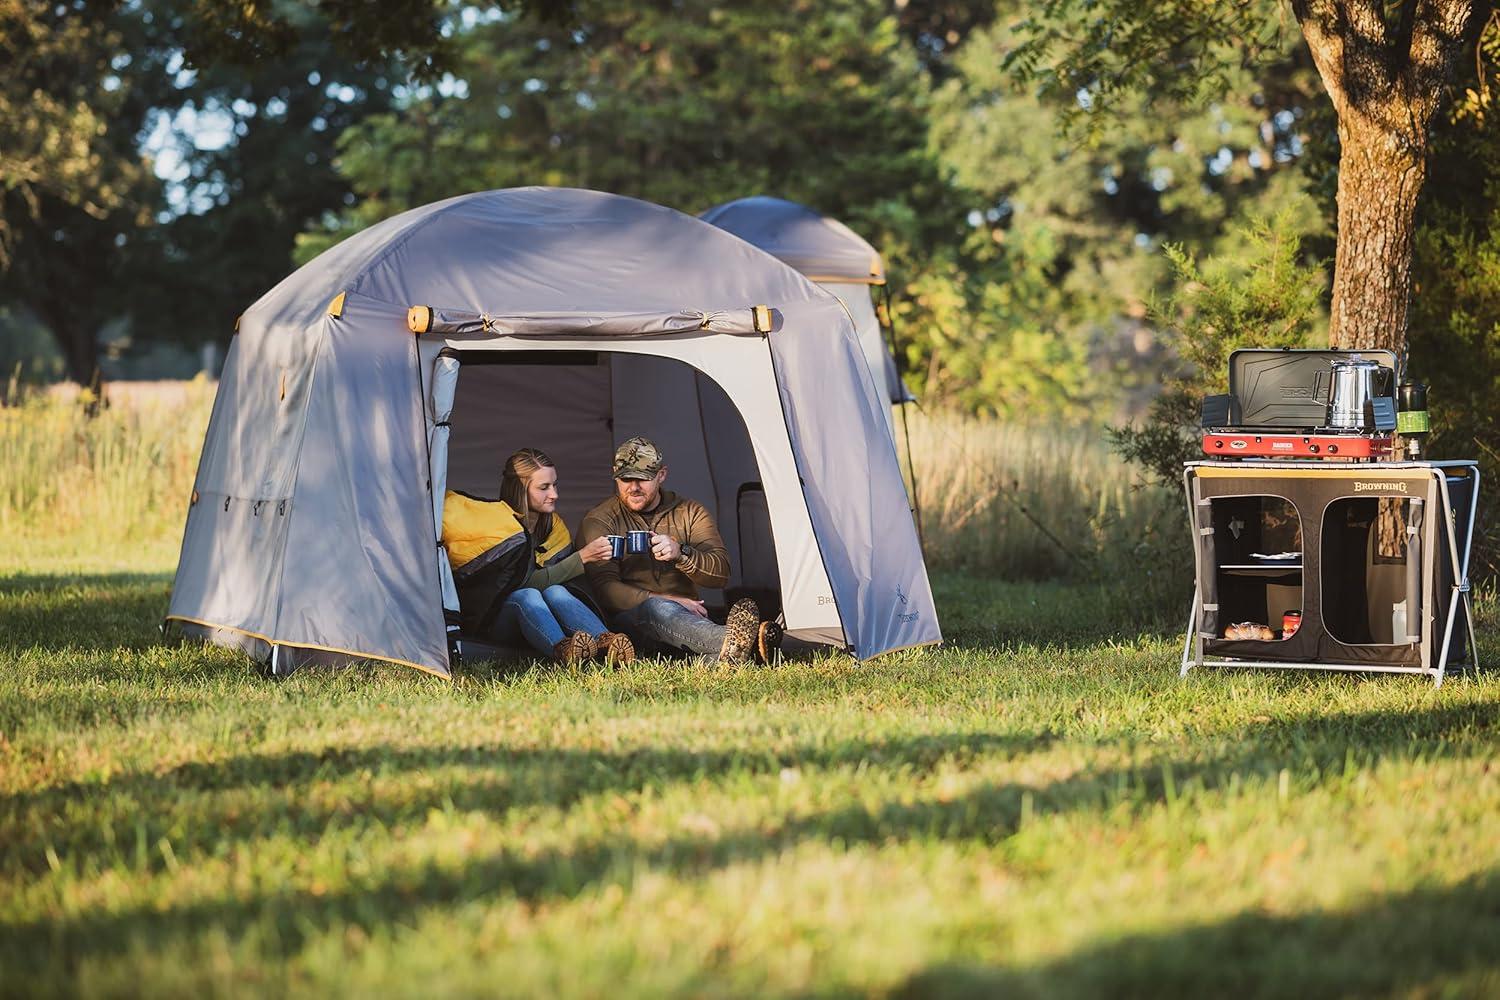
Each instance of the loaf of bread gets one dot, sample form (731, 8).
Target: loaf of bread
(1249, 630)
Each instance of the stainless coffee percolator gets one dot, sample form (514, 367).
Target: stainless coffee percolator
(1354, 382)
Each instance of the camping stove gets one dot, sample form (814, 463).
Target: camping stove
(1297, 404)
(1322, 443)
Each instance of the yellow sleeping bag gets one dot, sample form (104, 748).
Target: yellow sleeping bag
(472, 526)
(557, 546)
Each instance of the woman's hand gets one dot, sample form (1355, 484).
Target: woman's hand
(596, 551)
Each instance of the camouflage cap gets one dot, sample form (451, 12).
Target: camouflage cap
(638, 458)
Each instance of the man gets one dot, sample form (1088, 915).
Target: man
(653, 596)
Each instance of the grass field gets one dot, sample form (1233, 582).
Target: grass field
(1042, 808)
(1039, 809)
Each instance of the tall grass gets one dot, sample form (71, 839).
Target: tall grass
(1016, 502)
(1037, 503)
(122, 474)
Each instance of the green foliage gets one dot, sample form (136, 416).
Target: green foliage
(687, 105)
(1455, 314)
(1045, 316)
(1262, 293)
(74, 185)
(1032, 312)
(241, 206)
(54, 117)
(246, 34)
(1089, 58)
(95, 232)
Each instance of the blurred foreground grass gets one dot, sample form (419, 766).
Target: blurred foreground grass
(1041, 808)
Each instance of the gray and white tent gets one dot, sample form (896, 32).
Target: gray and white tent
(825, 251)
(414, 356)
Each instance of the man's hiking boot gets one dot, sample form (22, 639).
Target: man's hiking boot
(740, 630)
(575, 648)
(615, 648)
(768, 642)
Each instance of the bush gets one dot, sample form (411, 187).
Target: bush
(1260, 293)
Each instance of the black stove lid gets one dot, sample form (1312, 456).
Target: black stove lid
(1289, 388)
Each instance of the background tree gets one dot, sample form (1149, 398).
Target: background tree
(94, 234)
(77, 188)
(1384, 67)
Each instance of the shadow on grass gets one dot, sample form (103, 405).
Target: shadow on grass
(1417, 942)
(1314, 750)
(94, 612)
(491, 779)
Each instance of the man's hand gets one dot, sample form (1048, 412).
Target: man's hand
(596, 551)
(696, 607)
(665, 548)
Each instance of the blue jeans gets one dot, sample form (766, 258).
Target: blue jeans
(659, 623)
(543, 618)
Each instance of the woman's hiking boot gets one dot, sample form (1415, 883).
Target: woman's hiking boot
(740, 631)
(615, 647)
(575, 648)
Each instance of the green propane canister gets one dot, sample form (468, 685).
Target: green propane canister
(1411, 417)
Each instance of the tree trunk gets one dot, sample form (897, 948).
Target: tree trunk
(75, 339)
(1380, 175)
(1384, 67)
(81, 353)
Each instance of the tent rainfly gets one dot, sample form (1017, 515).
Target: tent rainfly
(825, 251)
(414, 356)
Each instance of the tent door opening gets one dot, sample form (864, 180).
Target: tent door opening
(577, 407)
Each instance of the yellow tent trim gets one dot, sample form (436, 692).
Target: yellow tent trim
(844, 279)
(336, 307)
(309, 645)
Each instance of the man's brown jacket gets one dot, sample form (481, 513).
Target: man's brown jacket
(621, 584)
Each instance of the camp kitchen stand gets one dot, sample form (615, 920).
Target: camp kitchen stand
(1374, 556)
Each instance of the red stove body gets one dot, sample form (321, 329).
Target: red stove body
(1315, 444)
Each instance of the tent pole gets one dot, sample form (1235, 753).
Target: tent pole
(890, 329)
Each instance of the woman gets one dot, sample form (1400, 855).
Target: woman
(540, 610)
